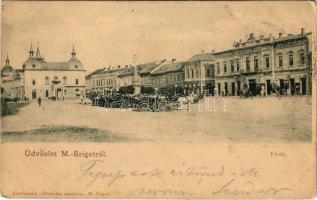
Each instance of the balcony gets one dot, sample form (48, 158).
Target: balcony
(250, 71)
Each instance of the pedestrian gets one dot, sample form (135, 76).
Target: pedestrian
(39, 100)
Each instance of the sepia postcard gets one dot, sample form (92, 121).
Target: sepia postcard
(163, 99)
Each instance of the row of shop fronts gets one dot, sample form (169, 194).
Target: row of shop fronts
(253, 85)
(256, 66)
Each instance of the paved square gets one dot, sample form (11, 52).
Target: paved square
(269, 119)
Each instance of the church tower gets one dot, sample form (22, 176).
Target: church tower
(7, 60)
(73, 53)
(31, 52)
(74, 63)
(38, 52)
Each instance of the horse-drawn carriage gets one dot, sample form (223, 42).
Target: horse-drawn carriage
(155, 103)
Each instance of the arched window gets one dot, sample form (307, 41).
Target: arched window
(64, 80)
(290, 58)
(247, 63)
(47, 80)
(301, 56)
(225, 67)
(256, 63)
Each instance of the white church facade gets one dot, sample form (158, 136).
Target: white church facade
(52, 79)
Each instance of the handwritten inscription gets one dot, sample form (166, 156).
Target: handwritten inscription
(242, 181)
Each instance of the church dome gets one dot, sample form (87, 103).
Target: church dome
(7, 70)
(32, 63)
(75, 64)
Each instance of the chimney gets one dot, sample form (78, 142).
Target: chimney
(173, 60)
(213, 51)
(119, 66)
(202, 51)
(280, 35)
(163, 60)
(108, 68)
(302, 31)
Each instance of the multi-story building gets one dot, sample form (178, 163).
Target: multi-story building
(53, 79)
(12, 81)
(269, 64)
(200, 74)
(145, 72)
(104, 81)
(169, 77)
(256, 65)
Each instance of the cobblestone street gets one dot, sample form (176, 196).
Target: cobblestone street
(271, 119)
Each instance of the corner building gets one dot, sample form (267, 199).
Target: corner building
(266, 63)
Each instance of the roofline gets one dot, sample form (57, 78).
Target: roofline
(269, 43)
(53, 70)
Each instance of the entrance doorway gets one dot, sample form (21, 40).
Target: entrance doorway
(252, 86)
(219, 89)
(239, 88)
(209, 89)
(226, 88)
(233, 89)
(33, 94)
(58, 93)
(303, 86)
(282, 87)
(268, 87)
(292, 82)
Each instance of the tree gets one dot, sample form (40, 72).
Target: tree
(126, 89)
(147, 90)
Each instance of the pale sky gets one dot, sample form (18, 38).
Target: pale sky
(110, 33)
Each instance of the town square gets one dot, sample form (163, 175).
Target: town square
(158, 99)
(257, 87)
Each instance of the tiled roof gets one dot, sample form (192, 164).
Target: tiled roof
(54, 66)
(149, 67)
(128, 72)
(170, 67)
(104, 71)
(267, 41)
(203, 57)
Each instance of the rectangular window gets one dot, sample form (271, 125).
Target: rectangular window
(224, 67)
(238, 66)
(232, 67)
(302, 58)
(33, 82)
(187, 72)
(247, 63)
(291, 59)
(208, 72)
(267, 62)
(77, 81)
(192, 73)
(218, 68)
(280, 61)
(256, 64)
